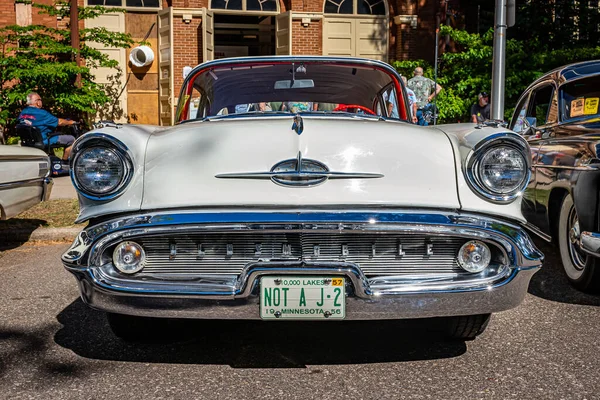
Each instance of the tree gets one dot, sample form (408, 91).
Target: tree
(465, 73)
(38, 58)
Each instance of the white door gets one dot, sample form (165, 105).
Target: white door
(339, 36)
(283, 34)
(208, 35)
(115, 23)
(165, 66)
(372, 38)
(356, 37)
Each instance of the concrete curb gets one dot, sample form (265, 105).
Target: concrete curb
(54, 234)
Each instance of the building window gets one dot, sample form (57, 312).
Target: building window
(142, 3)
(261, 5)
(339, 6)
(113, 3)
(371, 7)
(125, 3)
(361, 7)
(244, 5)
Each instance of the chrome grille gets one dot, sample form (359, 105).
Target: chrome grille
(377, 254)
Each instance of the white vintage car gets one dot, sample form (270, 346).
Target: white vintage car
(24, 179)
(294, 188)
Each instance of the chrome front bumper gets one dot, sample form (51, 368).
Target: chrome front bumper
(236, 297)
(590, 243)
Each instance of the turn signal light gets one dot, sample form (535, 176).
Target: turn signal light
(129, 257)
(474, 256)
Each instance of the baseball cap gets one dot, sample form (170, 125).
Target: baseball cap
(484, 94)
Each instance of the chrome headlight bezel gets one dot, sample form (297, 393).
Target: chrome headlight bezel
(472, 172)
(90, 140)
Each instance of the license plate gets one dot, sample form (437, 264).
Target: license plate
(302, 297)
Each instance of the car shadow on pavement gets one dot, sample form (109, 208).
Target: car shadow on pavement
(15, 232)
(551, 283)
(257, 344)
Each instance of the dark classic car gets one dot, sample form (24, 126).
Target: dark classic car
(558, 115)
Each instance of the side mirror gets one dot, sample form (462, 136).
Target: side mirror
(529, 126)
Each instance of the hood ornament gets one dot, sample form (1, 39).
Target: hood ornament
(299, 172)
(298, 124)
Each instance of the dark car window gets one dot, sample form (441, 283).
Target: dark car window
(580, 98)
(540, 105)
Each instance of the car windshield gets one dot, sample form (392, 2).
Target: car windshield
(291, 87)
(579, 99)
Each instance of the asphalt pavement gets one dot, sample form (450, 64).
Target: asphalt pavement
(52, 346)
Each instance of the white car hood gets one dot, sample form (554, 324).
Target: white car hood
(418, 165)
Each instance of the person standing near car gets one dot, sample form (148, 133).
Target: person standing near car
(412, 100)
(34, 115)
(425, 90)
(480, 111)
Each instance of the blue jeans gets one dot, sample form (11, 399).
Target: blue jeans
(421, 120)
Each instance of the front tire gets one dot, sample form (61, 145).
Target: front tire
(582, 270)
(467, 327)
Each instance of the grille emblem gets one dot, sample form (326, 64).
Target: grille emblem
(429, 249)
(172, 251)
(345, 251)
(299, 172)
(286, 249)
(400, 251)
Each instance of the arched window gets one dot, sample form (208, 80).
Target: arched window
(244, 5)
(354, 7)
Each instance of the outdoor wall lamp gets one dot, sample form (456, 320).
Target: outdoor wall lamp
(411, 20)
(187, 18)
(305, 22)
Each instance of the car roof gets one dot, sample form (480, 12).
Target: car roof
(267, 59)
(570, 72)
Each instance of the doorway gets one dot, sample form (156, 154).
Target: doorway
(243, 35)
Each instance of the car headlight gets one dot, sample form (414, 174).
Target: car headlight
(100, 169)
(499, 170)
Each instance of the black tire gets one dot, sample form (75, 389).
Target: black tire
(582, 270)
(467, 327)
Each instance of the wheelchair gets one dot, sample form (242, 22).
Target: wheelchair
(32, 137)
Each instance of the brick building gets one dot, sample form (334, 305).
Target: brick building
(188, 32)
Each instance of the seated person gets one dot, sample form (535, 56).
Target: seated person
(34, 115)
(298, 106)
(261, 107)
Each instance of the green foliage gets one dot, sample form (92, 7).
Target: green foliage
(13, 140)
(41, 59)
(465, 73)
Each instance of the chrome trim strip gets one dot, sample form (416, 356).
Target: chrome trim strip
(535, 230)
(590, 243)
(594, 167)
(24, 157)
(314, 175)
(298, 177)
(28, 182)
